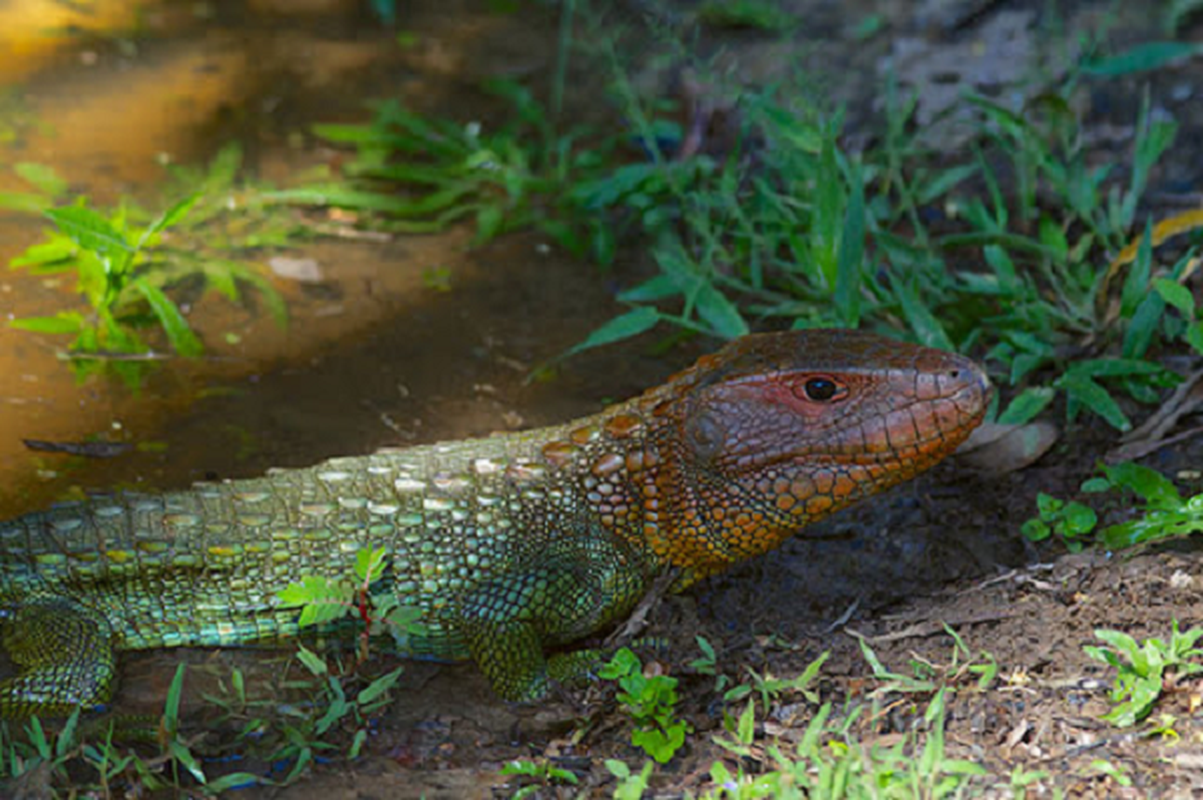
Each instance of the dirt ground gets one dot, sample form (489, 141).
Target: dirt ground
(944, 550)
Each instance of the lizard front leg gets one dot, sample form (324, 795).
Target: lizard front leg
(64, 652)
(511, 621)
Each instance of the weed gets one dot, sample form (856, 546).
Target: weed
(127, 262)
(1071, 522)
(782, 228)
(631, 785)
(304, 739)
(829, 762)
(1145, 669)
(58, 760)
(325, 600)
(1162, 514)
(514, 177)
(770, 688)
(1115, 773)
(651, 702)
(708, 664)
(542, 773)
(927, 677)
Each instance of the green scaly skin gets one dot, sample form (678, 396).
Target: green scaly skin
(511, 546)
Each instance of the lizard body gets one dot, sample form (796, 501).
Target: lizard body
(512, 545)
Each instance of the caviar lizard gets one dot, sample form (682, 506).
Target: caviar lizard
(513, 546)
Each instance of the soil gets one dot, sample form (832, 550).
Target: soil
(376, 357)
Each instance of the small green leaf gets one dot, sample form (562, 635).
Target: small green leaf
(174, 325)
(182, 754)
(58, 250)
(1119, 640)
(1048, 505)
(1081, 389)
(1027, 405)
(64, 322)
(1176, 295)
(88, 229)
(921, 319)
(369, 563)
(632, 323)
(657, 288)
(1036, 530)
(321, 599)
(1053, 237)
(361, 736)
(312, 661)
(846, 295)
(1194, 337)
(378, 687)
(234, 780)
(722, 315)
(1143, 326)
(169, 217)
(944, 182)
(746, 729)
(1004, 267)
(1156, 489)
(1079, 519)
(1143, 57)
(66, 737)
(405, 618)
(171, 709)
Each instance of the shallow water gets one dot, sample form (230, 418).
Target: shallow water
(371, 357)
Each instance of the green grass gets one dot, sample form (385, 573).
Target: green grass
(115, 754)
(1006, 249)
(1145, 669)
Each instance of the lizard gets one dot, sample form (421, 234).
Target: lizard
(513, 546)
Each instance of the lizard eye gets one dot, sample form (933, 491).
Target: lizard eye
(823, 390)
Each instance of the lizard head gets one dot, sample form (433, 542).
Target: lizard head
(776, 431)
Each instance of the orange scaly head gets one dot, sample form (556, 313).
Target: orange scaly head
(776, 431)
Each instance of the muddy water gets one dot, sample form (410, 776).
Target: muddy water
(371, 356)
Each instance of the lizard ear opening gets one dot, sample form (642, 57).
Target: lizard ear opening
(705, 435)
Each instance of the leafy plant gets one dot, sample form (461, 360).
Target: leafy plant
(543, 773)
(651, 703)
(1145, 670)
(830, 763)
(516, 176)
(783, 228)
(304, 739)
(1165, 515)
(927, 677)
(324, 600)
(128, 262)
(55, 756)
(770, 688)
(707, 664)
(1071, 522)
(631, 785)
(1163, 512)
